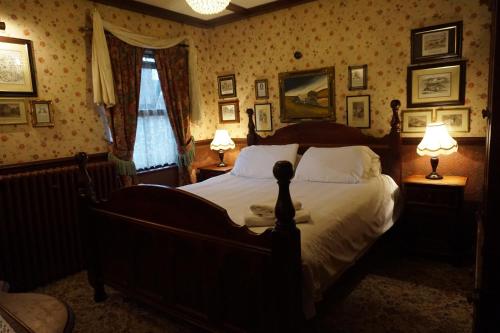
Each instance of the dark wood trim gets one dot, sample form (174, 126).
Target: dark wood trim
(239, 13)
(47, 164)
(472, 140)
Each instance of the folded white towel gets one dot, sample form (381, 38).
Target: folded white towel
(252, 220)
(267, 211)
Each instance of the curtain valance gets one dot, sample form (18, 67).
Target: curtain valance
(102, 76)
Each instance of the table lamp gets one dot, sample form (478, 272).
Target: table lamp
(436, 141)
(222, 141)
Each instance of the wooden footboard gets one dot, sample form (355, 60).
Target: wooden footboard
(183, 254)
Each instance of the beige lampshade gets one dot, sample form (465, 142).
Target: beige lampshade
(222, 140)
(436, 141)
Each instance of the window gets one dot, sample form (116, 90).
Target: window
(155, 144)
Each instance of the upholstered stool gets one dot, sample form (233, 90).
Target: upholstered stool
(37, 313)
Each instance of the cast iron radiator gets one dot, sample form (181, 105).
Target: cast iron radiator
(39, 230)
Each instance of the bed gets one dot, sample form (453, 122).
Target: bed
(181, 252)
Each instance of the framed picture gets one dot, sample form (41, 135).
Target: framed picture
(357, 77)
(263, 117)
(415, 121)
(437, 42)
(227, 86)
(358, 111)
(261, 89)
(457, 119)
(17, 69)
(436, 84)
(229, 112)
(12, 111)
(307, 95)
(42, 114)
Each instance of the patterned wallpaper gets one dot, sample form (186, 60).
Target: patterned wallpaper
(328, 33)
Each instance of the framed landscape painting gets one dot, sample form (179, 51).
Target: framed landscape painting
(456, 119)
(17, 69)
(436, 84)
(229, 112)
(227, 86)
(307, 95)
(415, 121)
(12, 111)
(442, 41)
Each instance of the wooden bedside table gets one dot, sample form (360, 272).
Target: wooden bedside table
(433, 216)
(210, 171)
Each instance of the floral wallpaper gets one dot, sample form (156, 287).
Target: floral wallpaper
(328, 33)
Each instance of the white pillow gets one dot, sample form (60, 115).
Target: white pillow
(348, 165)
(258, 161)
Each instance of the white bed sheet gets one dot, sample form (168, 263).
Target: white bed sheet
(345, 220)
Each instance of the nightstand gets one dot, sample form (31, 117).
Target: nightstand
(210, 171)
(433, 216)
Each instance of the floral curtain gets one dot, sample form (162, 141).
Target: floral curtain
(126, 64)
(172, 67)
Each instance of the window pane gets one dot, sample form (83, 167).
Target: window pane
(155, 142)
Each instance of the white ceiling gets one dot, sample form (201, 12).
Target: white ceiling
(180, 6)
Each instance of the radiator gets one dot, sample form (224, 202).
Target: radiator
(39, 230)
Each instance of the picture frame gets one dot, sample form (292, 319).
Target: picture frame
(13, 112)
(42, 114)
(357, 77)
(229, 112)
(415, 121)
(307, 95)
(227, 86)
(261, 89)
(17, 73)
(263, 117)
(358, 111)
(436, 84)
(436, 42)
(456, 119)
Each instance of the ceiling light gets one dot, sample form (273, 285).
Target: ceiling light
(208, 7)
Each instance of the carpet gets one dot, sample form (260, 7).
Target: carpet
(397, 295)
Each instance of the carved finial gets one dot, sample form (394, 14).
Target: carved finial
(284, 211)
(251, 136)
(85, 185)
(395, 122)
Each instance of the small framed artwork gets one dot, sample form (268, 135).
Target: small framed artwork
(261, 89)
(263, 117)
(307, 95)
(358, 77)
(12, 111)
(436, 84)
(415, 121)
(17, 70)
(358, 111)
(437, 42)
(227, 86)
(457, 119)
(229, 112)
(42, 114)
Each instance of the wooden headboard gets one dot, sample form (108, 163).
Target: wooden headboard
(330, 134)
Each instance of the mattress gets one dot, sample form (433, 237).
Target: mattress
(345, 220)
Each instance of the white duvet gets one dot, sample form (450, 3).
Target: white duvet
(345, 219)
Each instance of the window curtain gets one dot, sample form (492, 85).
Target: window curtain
(172, 67)
(126, 65)
(153, 150)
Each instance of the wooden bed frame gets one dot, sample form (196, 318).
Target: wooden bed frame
(183, 255)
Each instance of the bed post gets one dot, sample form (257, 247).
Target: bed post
(287, 256)
(251, 136)
(86, 199)
(395, 141)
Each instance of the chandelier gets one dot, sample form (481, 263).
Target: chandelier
(208, 7)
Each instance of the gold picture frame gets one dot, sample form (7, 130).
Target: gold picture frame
(456, 119)
(42, 114)
(415, 121)
(13, 111)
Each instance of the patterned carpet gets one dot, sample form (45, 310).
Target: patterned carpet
(397, 295)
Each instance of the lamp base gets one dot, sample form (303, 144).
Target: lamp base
(221, 157)
(434, 176)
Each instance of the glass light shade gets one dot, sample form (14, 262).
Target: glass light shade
(208, 7)
(436, 141)
(222, 141)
